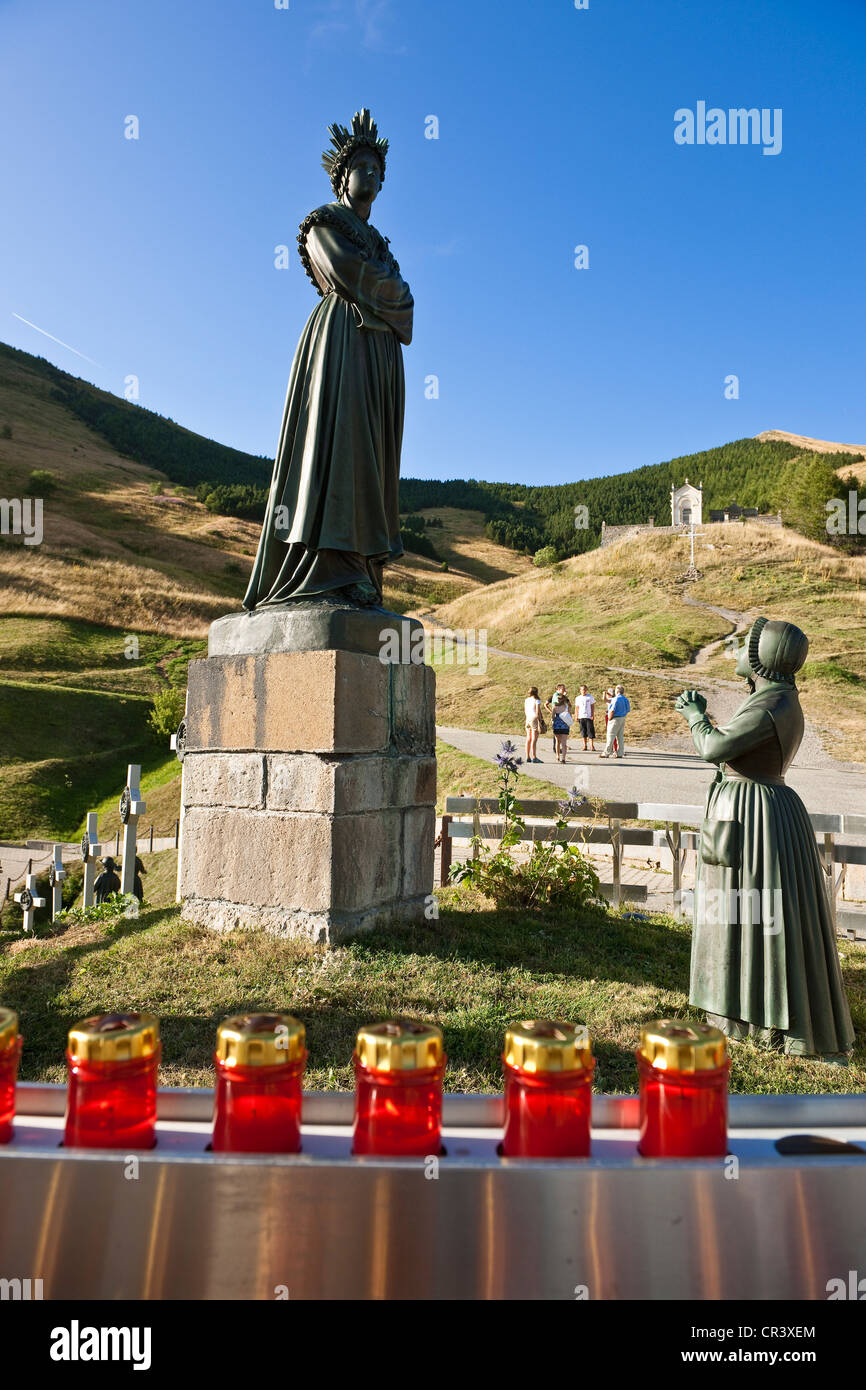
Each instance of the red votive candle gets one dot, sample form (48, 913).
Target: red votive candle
(399, 1068)
(548, 1090)
(111, 1103)
(259, 1065)
(10, 1051)
(683, 1070)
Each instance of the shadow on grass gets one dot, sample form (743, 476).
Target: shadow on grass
(592, 945)
(36, 991)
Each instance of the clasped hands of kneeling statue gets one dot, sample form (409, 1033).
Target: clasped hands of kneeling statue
(690, 700)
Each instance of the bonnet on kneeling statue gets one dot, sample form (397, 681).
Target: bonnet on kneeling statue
(765, 963)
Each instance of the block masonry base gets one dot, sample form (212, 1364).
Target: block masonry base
(309, 787)
(325, 928)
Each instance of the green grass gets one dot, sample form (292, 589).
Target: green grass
(831, 671)
(472, 972)
(73, 714)
(160, 788)
(461, 774)
(48, 782)
(594, 617)
(73, 653)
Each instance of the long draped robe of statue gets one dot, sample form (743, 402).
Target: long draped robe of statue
(765, 961)
(332, 518)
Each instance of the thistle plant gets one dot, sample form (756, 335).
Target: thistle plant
(556, 873)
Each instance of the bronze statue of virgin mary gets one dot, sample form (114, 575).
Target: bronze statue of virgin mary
(332, 519)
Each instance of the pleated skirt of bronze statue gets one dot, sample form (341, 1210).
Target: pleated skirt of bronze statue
(765, 960)
(336, 470)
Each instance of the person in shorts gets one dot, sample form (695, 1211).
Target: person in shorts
(560, 707)
(585, 709)
(532, 715)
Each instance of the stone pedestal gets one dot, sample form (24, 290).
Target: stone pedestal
(309, 776)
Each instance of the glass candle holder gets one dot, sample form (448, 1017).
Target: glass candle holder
(112, 1061)
(548, 1090)
(683, 1069)
(260, 1062)
(399, 1067)
(10, 1052)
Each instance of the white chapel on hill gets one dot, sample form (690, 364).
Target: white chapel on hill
(687, 504)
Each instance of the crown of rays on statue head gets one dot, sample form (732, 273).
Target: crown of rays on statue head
(346, 142)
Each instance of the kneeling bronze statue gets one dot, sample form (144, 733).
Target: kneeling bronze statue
(765, 963)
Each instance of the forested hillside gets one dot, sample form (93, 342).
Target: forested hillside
(140, 434)
(768, 474)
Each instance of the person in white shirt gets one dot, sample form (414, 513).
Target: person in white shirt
(532, 708)
(586, 716)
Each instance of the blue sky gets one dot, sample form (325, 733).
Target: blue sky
(155, 257)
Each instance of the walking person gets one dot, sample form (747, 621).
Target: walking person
(585, 709)
(532, 712)
(560, 708)
(607, 697)
(617, 710)
(548, 705)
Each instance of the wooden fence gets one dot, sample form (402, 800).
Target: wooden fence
(467, 817)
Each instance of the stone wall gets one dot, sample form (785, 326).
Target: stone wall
(309, 788)
(611, 535)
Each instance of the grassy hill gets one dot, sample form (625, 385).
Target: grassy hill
(127, 553)
(771, 472)
(621, 610)
(130, 552)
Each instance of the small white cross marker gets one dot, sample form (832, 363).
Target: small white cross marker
(56, 875)
(90, 852)
(29, 901)
(131, 807)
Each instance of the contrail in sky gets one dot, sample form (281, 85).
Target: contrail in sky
(55, 340)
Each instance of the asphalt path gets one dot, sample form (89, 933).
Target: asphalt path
(15, 858)
(672, 776)
(665, 768)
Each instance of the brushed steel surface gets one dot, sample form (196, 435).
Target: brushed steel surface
(182, 1223)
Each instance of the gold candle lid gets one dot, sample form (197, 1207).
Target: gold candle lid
(671, 1044)
(401, 1044)
(260, 1040)
(114, 1038)
(540, 1045)
(8, 1028)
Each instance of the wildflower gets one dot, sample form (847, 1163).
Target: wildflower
(505, 758)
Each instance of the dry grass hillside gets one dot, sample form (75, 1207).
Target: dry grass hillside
(124, 547)
(472, 560)
(619, 613)
(821, 446)
(126, 553)
(115, 550)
